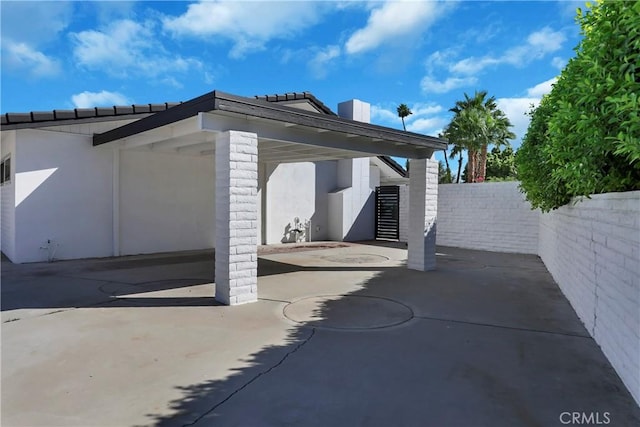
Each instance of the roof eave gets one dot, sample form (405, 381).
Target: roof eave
(394, 165)
(224, 102)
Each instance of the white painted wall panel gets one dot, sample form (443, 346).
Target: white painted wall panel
(7, 197)
(166, 202)
(298, 190)
(488, 216)
(63, 194)
(374, 177)
(592, 250)
(95, 127)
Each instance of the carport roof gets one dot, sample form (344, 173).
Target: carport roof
(228, 104)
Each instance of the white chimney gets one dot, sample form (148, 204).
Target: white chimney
(355, 110)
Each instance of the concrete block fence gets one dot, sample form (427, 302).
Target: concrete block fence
(592, 250)
(590, 247)
(487, 216)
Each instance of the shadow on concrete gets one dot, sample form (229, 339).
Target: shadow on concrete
(111, 282)
(496, 345)
(484, 340)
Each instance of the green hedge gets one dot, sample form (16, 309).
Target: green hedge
(584, 138)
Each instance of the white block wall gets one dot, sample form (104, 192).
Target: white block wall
(487, 216)
(8, 197)
(592, 250)
(423, 210)
(236, 265)
(404, 213)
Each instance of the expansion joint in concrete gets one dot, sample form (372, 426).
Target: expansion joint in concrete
(245, 385)
(513, 328)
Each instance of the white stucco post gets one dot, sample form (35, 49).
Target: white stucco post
(423, 207)
(236, 273)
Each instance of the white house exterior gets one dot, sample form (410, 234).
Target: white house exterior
(219, 171)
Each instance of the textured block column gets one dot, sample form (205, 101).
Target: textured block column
(236, 274)
(423, 208)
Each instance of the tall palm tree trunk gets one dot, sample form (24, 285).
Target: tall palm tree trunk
(471, 166)
(459, 168)
(482, 172)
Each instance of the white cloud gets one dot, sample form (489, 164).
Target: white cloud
(431, 85)
(421, 109)
(440, 59)
(473, 65)
(23, 45)
(384, 115)
(541, 88)
(568, 7)
(546, 40)
(321, 61)
(538, 45)
(431, 126)
(125, 47)
(99, 99)
(19, 19)
(515, 108)
(248, 27)
(424, 118)
(393, 20)
(22, 57)
(558, 62)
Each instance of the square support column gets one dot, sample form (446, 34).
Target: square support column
(236, 274)
(423, 208)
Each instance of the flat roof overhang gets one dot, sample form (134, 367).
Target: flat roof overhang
(285, 134)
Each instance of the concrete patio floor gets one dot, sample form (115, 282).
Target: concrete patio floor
(342, 336)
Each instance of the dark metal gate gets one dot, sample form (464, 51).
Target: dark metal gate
(388, 212)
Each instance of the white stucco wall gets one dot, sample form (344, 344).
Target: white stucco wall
(297, 190)
(166, 202)
(374, 176)
(592, 250)
(7, 197)
(359, 202)
(491, 216)
(336, 214)
(63, 195)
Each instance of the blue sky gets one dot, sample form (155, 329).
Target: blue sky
(58, 55)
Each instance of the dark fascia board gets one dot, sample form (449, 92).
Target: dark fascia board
(179, 112)
(224, 102)
(394, 165)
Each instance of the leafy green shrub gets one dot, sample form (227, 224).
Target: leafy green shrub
(584, 138)
(501, 164)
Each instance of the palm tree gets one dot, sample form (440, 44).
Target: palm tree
(457, 151)
(446, 159)
(477, 123)
(403, 111)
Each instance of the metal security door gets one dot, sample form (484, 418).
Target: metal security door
(388, 212)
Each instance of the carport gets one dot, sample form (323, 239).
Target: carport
(239, 132)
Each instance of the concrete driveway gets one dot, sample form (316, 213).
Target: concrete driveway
(342, 336)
